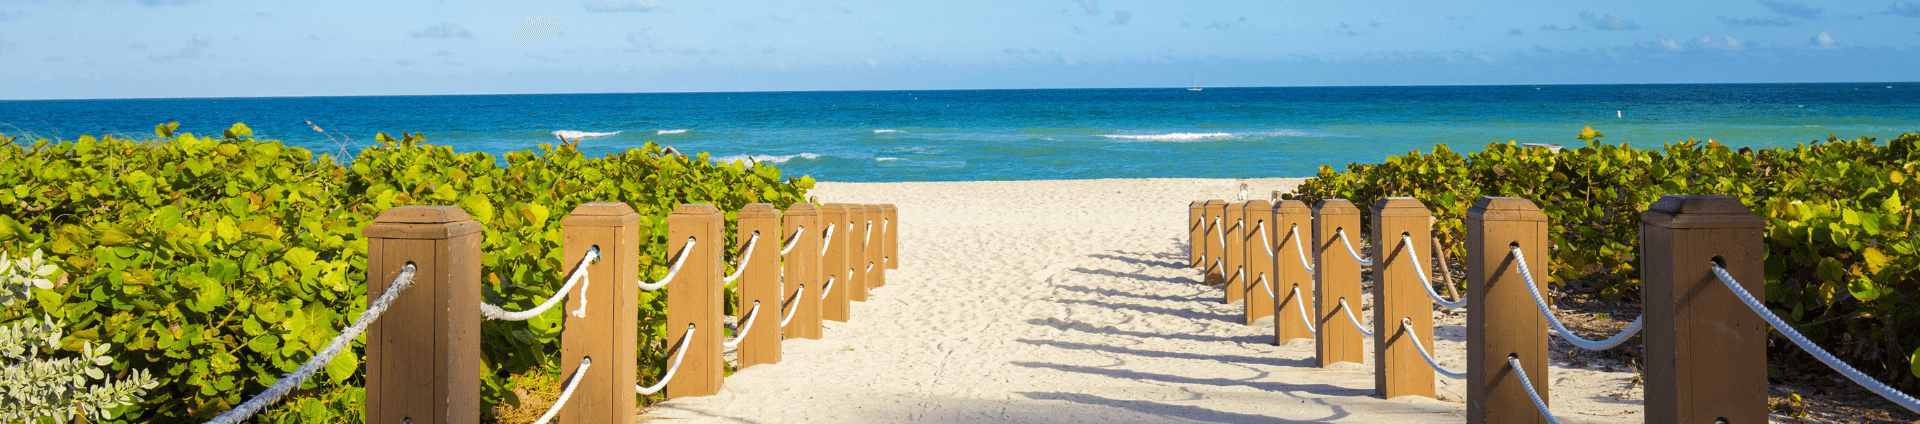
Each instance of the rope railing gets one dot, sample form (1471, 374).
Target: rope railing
(572, 383)
(1407, 324)
(293, 380)
(1264, 240)
(1342, 233)
(1222, 232)
(746, 256)
(681, 259)
(1520, 260)
(1426, 282)
(868, 234)
(828, 288)
(744, 328)
(677, 356)
(826, 240)
(1355, 320)
(494, 312)
(1295, 235)
(1514, 360)
(1304, 317)
(1858, 377)
(792, 305)
(795, 241)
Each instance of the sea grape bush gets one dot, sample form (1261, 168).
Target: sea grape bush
(1842, 262)
(223, 263)
(34, 385)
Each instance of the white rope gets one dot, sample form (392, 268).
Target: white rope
(824, 290)
(795, 241)
(682, 260)
(1514, 360)
(792, 305)
(1609, 343)
(1351, 318)
(746, 256)
(1301, 302)
(677, 356)
(1877, 387)
(1295, 235)
(869, 267)
(293, 380)
(565, 393)
(579, 273)
(1268, 241)
(1415, 337)
(827, 240)
(1262, 282)
(1222, 232)
(869, 234)
(1424, 281)
(1356, 255)
(744, 328)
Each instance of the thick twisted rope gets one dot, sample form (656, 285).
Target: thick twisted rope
(1407, 324)
(1424, 281)
(824, 290)
(1302, 304)
(744, 328)
(827, 240)
(671, 271)
(677, 356)
(792, 305)
(1295, 235)
(1342, 233)
(1268, 241)
(567, 392)
(746, 256)
(1222, 232)
(1263, 284)
(1514, 360)
(1352, 319)
(579, 274)
(795, 241)
(869, 235)
(320, 359)
(1521, 260)
(1858, 377)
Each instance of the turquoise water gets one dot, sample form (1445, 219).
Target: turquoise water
(973, 135)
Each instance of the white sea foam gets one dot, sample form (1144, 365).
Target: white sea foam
(885, 159)
(764, 158)
(1172, 137)
(886, 131)
(664, 132)
(576, 135)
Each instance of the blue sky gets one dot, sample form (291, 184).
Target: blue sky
(216, 48)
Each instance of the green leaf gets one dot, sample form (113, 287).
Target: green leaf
(342, 366)
(239, 131)
(1862, 288)
(1914, 362)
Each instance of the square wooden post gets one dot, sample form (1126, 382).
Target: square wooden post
(1336, 276)
(1259, 249)
(1234, 264)
(1502, 319)
(1196, 233)
(834, 304)
(1211, 247)
(876, 247)
(892, 243)
(760, 283)
(1292, 227)
(423, 354)
(695, 297)
(803, 274)
(1706, 350)
(860, 230)
(1398, 368)
(601, 314)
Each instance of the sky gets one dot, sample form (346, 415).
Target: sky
(62, 49)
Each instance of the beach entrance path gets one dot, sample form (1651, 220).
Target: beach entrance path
(1070, 301)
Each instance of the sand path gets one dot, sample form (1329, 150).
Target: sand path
(1069, 301)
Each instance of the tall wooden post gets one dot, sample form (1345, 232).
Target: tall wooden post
(1706, 350)
(877, 247)
(1336, 276)
(423, 354)
(602, 312)
(835, 304)
(1504, 321)
(860, 229)
(1234, 266)
(1260, 254)
(892, 244)
(1398, 368)
(760, 283)
(1292, 227)
(1213, 251)
(695, 297)
(1196, 232)
(803, 274)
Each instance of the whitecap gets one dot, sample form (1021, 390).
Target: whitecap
(886, 131)
(884, 159)
(665, 132)
(770, 159)
(1172, 136)
(576, 135)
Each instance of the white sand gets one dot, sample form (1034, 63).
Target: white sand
(1069, 301)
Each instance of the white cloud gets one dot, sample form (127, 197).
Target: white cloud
(1607, 22)
(642, 39)
(7, 47)
(1773, 21)
(1903, 8)
(1823, 41)
(611, 7)
(443, 31)
(536, 30)
(1121, 17)
(196, 48)
(1092, 6)
(1670, 45)
(1726, 43)
(1796, 10)
(873, 63)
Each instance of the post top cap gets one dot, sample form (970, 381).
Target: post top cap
(422, 214)
(1259, 204)
(1401, 206)
(758, 210)
(1292, 206)
(834, 207)
(694, 209)
(1505, 209)
(601, 209)
(889, 207)
(803, 208)
(1216, 202)
(1700, 211)
(1335, 207)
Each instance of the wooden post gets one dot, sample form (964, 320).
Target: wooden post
(1235, 222)
(1706, 350)
(803, 270)
(1336, 276)
(1196, 233)
(1398, 368)
(760, 283)
(423, 354)
(1504, 321)
(876, 247)
(833, 263)
(600, 315)
(1258, 239)
(1292, 220)
(857, 242)
(695, 297)
(892, 243)
(1216, 209)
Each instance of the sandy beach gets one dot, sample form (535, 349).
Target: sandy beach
(1070, 301)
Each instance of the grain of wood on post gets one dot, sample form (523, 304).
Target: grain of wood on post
(1234, 265)
(1259, 264)
(1336, 276)
(1196, 226)
(605, 331)
(1503, 320)
(802, 269)
(1293, 227)
(760, 282)
(857, 244)
(1398, 367)
(423, 354)
(876, 247)
(834, 304)
(892, 214)
(1705, 349)
(695, 297)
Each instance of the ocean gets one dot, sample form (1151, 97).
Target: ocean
(978, 135)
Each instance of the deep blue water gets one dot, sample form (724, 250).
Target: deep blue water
(1033, 134)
